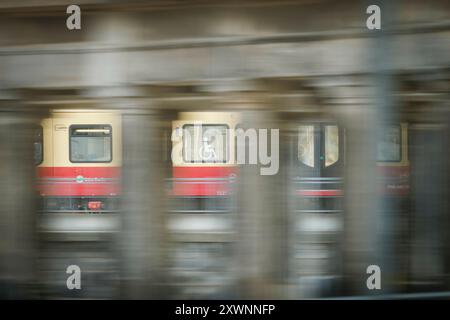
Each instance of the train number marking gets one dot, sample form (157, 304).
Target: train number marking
(60, 127)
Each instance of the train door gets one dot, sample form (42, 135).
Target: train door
(318, 152)
(316, 170)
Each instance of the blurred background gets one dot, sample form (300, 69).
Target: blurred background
(94, 170)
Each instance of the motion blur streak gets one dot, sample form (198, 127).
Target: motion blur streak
(118, 152)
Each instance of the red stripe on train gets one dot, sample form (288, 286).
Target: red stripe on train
(78, 181)
(187, 181)
(319, 193)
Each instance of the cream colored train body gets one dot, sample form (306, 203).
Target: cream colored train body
(79, 158)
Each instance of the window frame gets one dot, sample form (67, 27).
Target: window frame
(227, 150)
(314, 132)
(324, 142)
(80, 126)
(400, 145)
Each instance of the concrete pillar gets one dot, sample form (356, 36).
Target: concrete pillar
(142, 205)
(370, 220)
(385, 112)
(18, 202)
(359, 232)
(259, 198)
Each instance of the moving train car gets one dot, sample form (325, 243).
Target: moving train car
(78, 154)
(317, 169)
(320, 160)
(203, 153)
(318, 155)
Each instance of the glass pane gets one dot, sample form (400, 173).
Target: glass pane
(389, 144)
(205, 143)
(38, 146)
(191, 142)
(331, 145)
(306, 145)
(90, 144)
(214, 144)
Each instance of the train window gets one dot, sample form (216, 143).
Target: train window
(205, 143)
(306, 145)
(331, 145)
(90, 143)
(389, 144)
(38, 146)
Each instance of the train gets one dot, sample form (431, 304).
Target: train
(78, 157)
(203, 153)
